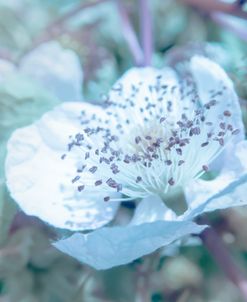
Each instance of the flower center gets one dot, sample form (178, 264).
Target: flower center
(146, 145)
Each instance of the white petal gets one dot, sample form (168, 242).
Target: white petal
(151, 209)
(6, 68)
(241, 150)
(109, 247)
(214, 85)
(233, 158)
(233, 195)
(40, 181)
(210, 78)
(56, 69)
(146, 102)
(199, 191)
(58, 125)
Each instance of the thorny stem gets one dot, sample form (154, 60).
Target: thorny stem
(143, 273)
(82, 285)
(218, 6)
(129, 35)
(225, 260)
(218, 11)
(146, 30)
(142, 290)
(142, 282)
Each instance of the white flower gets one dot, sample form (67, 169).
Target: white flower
(154, 225)
(56, 69)
(158, 132)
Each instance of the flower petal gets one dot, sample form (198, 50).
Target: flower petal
(142, 93)
(6, 68)
(57, 69)
(198, 192)
(109, 247)
(213, 83)
(233, 195)
(40, 181)
(151, 209)
(221, 109)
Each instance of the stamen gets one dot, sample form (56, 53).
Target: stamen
(80, 188)
(171, 181)
(93, 169)
(153, 151)
(227, 113)
(98, 183)
(76, 179)
(235, 132)
(138, 179)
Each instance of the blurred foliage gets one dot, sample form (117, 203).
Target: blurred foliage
(22, 101)
(34, 271)
(30, 269)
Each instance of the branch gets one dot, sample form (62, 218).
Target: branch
(224, 21)
(129, 35)
(225, 260)
(218, 6)
(146, 31)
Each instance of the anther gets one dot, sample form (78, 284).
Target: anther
(171, 181)
(138, 179)
(80, 188)
(93, 169)
(76, 179)
(98, 182)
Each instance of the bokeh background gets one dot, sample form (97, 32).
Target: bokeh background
(30, 268)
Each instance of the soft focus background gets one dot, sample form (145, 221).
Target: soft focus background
(30, 269)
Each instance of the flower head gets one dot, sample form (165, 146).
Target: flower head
(157, 132)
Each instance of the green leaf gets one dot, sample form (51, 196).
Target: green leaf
(21, 101)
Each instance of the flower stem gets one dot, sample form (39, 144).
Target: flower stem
(129, 35)
(143, 274)
(218, 6)
(225, 260)
(142, 294)
(146, 31)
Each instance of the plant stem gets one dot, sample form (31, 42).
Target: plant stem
(225, 260)
(146, 31)
(142, 290)
(223, 20)
(143, 273)
(218, 6)
(129, 35)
